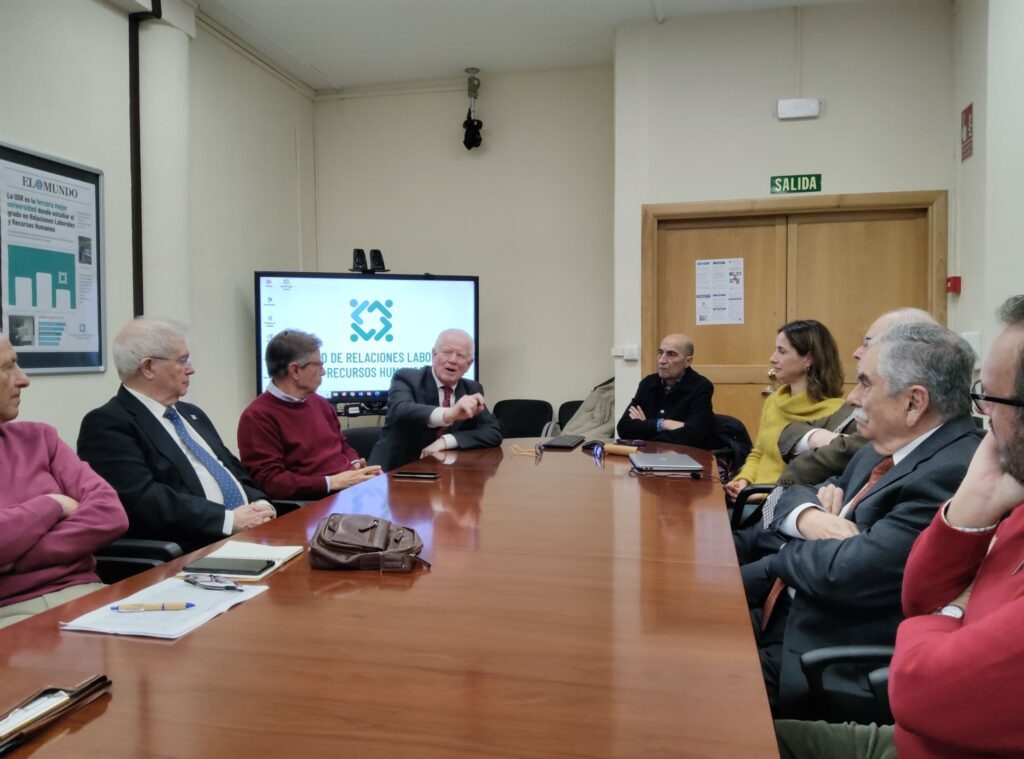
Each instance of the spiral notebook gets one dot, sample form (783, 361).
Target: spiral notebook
(238, 549)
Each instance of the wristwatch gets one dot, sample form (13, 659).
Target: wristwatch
(951, 610)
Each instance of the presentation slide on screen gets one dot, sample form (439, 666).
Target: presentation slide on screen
(48, 261)
(370, 326)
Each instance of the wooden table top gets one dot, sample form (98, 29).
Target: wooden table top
(571, 611)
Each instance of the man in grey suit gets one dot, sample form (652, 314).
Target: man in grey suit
(838, 578)
(434, 409)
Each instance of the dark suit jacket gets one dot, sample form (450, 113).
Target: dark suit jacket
(825, 461)
(161, 493)
(689, 402)
(848, 591)
(412, 398)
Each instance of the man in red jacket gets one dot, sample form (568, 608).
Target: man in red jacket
(955, 681)
(54, 510)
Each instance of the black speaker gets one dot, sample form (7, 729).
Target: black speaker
(358, 260)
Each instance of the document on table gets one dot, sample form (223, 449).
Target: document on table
(163, 624)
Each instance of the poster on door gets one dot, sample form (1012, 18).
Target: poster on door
(719, 291)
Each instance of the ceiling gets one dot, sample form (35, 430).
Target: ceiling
(332, 45)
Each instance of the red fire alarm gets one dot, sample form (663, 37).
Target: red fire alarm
(953, 285)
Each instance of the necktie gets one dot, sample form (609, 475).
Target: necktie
(880, 469)
(232, 497)
(445, 403)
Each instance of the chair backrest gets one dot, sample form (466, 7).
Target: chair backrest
(566, 410)
(362, 439)
(523, 417)
(732, 445)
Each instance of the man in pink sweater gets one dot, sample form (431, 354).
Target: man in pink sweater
(54, 510)
(955, 680)
(289, 438)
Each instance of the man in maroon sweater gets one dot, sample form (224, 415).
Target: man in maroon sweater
(955, 680)
(54, 510)
(289, 438)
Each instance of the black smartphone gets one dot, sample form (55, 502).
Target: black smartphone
(634, 443)
(215, 566)
(416, 475)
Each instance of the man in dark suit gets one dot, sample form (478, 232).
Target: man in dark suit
(434, 409)
(672, 405)
(838, 578)
(164, 458)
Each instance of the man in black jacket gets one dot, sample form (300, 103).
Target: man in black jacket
(673, 405)
(164, 458)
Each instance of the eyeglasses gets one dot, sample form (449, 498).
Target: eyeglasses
(983, 403)
(184, 362)
(212, 582)
(452, 353)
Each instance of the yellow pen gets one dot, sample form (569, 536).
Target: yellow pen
(165, 606)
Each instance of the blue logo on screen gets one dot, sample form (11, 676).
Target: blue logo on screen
(362, 330)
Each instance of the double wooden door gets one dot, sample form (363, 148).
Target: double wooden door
(840, 264)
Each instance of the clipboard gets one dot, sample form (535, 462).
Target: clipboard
(45, 707)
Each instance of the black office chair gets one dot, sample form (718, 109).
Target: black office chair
(732, 445)
(871, 704)
(566, 411)
(749, 503)
(523, 418)
(362, 439)
(129, 556)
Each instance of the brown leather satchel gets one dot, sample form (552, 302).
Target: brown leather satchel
(359, 541)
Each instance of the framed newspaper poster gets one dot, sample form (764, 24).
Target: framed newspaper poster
(51, 256)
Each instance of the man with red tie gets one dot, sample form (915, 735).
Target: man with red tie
(954, 681)
(837, 580)
(435, 408)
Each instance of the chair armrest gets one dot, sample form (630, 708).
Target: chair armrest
(745, 498)
(878, 679)
(814, 663)
(160, 550)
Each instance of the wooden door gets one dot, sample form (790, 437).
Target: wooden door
(733, 356)
(840, 259)
(846, 269)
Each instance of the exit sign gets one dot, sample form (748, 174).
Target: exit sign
(796, 183)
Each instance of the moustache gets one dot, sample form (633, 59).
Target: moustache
(860, 415)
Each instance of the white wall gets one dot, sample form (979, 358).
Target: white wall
(251, 207)
(64, 92)
(694, 99)
(968, 208)
(1004, 222)
(530, 213)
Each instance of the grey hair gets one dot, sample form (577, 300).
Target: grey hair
(142, 338)
(931, 356)
(289, 347)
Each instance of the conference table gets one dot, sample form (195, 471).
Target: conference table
(572, 610)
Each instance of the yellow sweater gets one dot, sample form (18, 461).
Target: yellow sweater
(764, 465)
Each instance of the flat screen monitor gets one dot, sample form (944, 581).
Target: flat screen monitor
(371, 325)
